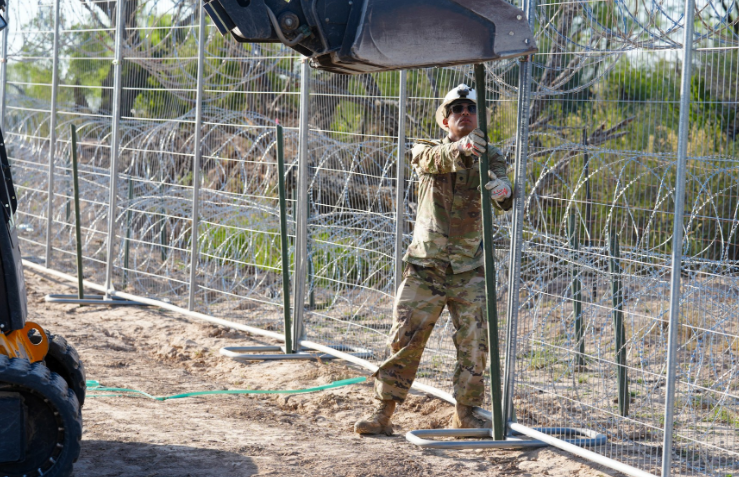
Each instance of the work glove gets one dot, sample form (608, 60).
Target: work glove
(499, 190)
(472, 144)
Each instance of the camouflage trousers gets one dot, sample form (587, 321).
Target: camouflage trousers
(422, 296)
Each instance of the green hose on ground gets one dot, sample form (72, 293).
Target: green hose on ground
(95, 386)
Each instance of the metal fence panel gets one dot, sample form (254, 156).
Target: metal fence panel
(351, 227)
(247, 88)
(86, 44)
(157, 116)
(705, 438)
(28, 115)
(599, 215)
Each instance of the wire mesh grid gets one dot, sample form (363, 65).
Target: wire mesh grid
(706, 418)
(599, 212)
(157, 98)
(599, 201)
(85, 92)
(29, 90)
(247, 90)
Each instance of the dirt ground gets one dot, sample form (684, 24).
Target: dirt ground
(163, 353)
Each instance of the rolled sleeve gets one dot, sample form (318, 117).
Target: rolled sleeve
(437, 159)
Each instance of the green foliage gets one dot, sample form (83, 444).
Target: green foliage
(540, 358)
(349, 118)
(337, 257)
(244, 247)
(333, 259)
(708, 111)
(86, 72)
(636, 83)
(154, 100)
(229, 78)
(157, 103)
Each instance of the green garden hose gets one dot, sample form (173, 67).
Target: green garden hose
(95, 387)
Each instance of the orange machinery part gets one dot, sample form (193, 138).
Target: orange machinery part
(17, 344)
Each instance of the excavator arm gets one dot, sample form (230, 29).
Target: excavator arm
(364, 36)
(12, 285)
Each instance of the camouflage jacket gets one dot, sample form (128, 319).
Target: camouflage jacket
(448, 226)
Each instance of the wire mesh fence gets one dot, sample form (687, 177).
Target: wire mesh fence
(599, 214)
(195, 218)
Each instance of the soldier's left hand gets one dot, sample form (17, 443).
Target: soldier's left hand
(499, 190)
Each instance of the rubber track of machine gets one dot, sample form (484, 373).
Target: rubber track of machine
(63, 360)
(44, 388)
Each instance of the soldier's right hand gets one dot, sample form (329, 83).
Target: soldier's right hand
(472, 144)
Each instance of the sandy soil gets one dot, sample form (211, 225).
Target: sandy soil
(163, 353)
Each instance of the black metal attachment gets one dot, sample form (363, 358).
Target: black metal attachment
(363, 36)
(13, 304)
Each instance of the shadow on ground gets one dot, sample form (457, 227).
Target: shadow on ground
(110, 458)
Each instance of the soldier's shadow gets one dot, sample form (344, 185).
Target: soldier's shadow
(507, 461)
(101, 458)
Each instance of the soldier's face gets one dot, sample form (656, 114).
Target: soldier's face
(460, 123)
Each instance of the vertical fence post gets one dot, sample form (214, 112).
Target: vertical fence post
(572, 230)
(77, 220)
(589, 208)
(400, 182)
(3, 70)
(127, 239)
(114, 142)
(491, 302)
(301, 207)
(677, 236)
(197, 156)
(284, 252)
(163, 236)
(52, 135)
(519, 199)
(617, 288)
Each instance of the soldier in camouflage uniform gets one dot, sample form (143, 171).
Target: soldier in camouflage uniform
(444, 264)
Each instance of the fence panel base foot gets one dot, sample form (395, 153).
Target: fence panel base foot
(92, 300)
(513, 441)
(254, 353)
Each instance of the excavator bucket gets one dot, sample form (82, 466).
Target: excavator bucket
(364, 36)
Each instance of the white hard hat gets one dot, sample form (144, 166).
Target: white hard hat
(458, 92)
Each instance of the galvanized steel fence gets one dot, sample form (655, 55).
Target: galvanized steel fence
(619, 312)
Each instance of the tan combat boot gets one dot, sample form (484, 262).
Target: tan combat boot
(378, 422)
(464, 419)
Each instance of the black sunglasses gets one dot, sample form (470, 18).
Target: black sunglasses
(459, 108)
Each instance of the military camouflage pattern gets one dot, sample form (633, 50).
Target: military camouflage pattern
(448, 228)
(422, 296)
